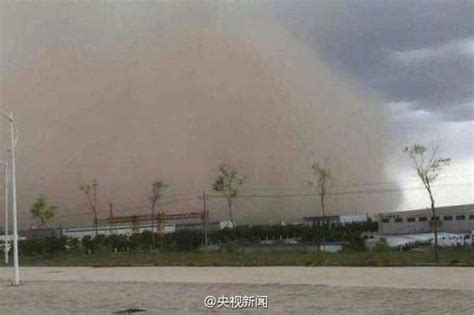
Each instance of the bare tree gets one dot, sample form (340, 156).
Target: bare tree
(90, 190)
(157, 189)
(428, 166)
(322, 173)
(42, 210)
(227, 183)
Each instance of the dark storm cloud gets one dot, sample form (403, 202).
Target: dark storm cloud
(442, 85)
(411, 51)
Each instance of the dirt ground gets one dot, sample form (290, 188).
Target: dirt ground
(290, 290)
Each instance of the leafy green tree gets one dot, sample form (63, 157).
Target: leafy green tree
(228, 183)
(42, 210)
(428, 165)
(157, 189)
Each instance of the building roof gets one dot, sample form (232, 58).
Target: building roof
(320, 217)
(459, 209)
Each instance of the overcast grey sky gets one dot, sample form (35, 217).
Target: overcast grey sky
(416, 56)
(417, 52)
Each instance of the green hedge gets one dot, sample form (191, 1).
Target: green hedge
(192, 240)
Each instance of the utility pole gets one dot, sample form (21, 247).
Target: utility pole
(6, 248)
(206, 214)
(16, 278)
(13, 142)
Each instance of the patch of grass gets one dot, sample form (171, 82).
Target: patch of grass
(448, 257)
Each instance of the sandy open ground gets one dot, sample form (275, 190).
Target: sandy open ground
(290, 290)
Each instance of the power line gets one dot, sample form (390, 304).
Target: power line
(367, 191)
(251, 196)
(170, 199)
(352, 185)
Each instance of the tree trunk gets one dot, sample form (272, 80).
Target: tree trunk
(229, 202)
(435, 225)
(96, 225)
(323, 238)
(153, 225)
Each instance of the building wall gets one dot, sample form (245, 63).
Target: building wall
(455, 219)
(316, 221)
(334, 219)
(108, 230)
(211, 226)
(354, 218)
(80, 232)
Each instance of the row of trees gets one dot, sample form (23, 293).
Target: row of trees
(189, 240)
(427, 163)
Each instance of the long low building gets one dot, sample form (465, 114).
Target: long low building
(452, 219)
(121, 229)
(79, 232)
(334, 219)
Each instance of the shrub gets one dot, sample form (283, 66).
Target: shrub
(382, 246)
(188, 240)
(88, 245)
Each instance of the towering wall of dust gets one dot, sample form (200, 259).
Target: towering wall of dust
(225, 86)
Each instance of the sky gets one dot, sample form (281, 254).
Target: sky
(411, 60)
(419, 55)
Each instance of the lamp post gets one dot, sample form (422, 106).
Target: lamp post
(6, 247)
(13, 141)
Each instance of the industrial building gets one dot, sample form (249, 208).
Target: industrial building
(452, 219)
(164, 223)
(129, 229)
(334, 219)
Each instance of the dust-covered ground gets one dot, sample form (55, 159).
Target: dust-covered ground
(290, 290)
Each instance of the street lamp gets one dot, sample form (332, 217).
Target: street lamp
(6, 247)
(13, 141)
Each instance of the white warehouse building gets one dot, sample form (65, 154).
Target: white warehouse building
(80, 232)
(335, 219)
(452, 219)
